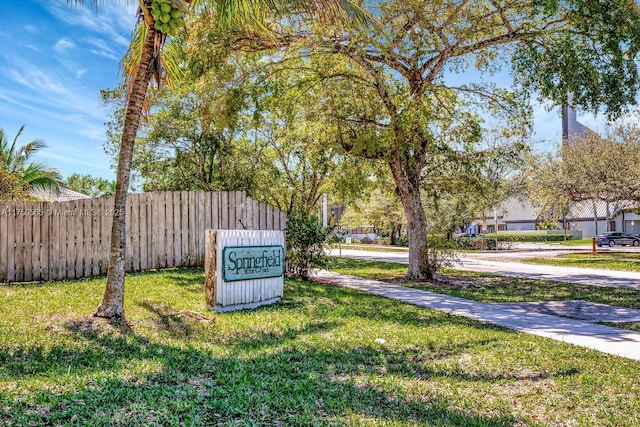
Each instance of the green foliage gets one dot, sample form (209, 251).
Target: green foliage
(604, 260)
(190, 140)
(402, 240)
(525, 237)
(90, 185)
(440, 253)
(491, 288)
(14, 160)
(11, 188)
(594, 56)
(306, 238)
(548, 225)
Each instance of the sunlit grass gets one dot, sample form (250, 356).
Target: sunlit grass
(311, 360)
(603, 260)
(492, 288)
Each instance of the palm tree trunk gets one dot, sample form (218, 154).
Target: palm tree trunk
(113, 300)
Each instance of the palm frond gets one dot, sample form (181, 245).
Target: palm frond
(171, 61)
(131, 60)
(10, 154)
(40, 175)
(251, 13)
(33, 146)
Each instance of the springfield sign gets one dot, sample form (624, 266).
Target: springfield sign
(252, 262)
(244, 269)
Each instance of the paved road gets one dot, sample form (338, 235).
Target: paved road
(513, 268)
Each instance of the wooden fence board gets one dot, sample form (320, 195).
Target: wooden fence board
(65, 240)
(4, 246)
(27, 240)
(184, 227)
(200, 225)
(224, 211)
(175, 228)
(36, 251)
(106, 206)
(169, 215)
(82, 237)
(191, 231)
(11, 243)
(95, 237)
(215, 211)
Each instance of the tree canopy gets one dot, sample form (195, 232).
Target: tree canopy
(395, 94)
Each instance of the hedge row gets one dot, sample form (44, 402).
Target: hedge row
(529, 237)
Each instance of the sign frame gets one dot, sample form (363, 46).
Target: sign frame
(252, 276)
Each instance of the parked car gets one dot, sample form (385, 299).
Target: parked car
(617, 238)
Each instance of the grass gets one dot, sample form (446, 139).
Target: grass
(311, 360)
(603, 260)
(370, 247)
(632, 326)
(492, 288)
(577, 242)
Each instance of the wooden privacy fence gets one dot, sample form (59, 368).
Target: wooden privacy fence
(70, 240)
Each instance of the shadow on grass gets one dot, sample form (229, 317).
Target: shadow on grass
(179, 324)
(111, 374)
(289, 386)
(190, 279)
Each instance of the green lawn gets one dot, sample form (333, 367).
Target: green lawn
(575, 242)
(311, 360)
(370, 247)
(603, 260)
(491, 288)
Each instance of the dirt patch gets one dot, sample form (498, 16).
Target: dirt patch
(92, 327)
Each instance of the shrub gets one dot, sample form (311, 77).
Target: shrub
(402, 241)
(305, 237)
(440, 253)
(480, 243)
(384, 241)
(529, 237)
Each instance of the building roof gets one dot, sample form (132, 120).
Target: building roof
(64, 195)
(584, 209)
(515, 210)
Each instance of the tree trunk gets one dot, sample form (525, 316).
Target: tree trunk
(392, 236)
(408, 189)
(113, 300)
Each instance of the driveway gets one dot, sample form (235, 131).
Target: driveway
(507, 264)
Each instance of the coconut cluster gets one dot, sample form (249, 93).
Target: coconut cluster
(168, 17)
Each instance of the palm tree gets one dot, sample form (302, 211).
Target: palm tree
(14, 160)
(144, 61)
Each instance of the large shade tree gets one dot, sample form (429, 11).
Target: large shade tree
(400, 98)
(144, 61)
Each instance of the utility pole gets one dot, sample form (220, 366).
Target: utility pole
(325, 203)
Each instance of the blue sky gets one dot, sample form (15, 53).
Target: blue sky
(54, 60)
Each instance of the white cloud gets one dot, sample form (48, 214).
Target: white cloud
(64, 44)
(80, 73)
(48, 89)
(101, 48)
(111, 20)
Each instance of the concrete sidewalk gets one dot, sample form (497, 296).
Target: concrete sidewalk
(606, 339)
